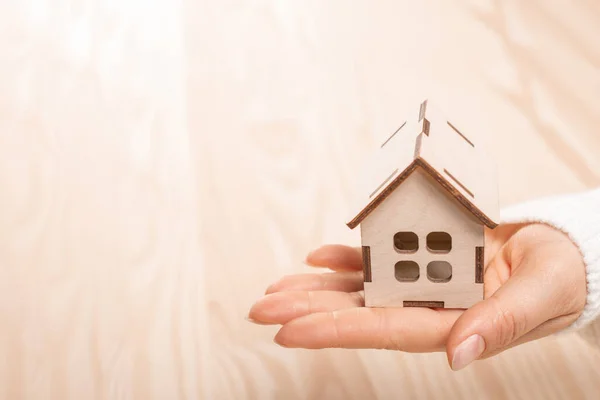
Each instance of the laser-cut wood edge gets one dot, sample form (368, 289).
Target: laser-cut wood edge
(389, 178)
(382, 196)
(429, 304)
(426, 126)
(479, 260)
(393, 134)
(418, 145)
(460, 133)
(366, 253)
(459, 183)
(422, 110)
(458, 195)
(420, 162)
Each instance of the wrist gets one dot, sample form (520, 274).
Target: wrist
(578, 217)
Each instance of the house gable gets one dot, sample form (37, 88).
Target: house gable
(422, 206)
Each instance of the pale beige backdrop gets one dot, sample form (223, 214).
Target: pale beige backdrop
(161, 162)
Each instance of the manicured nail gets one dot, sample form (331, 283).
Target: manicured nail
(467, 352)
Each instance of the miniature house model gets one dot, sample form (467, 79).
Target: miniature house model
(428, 194)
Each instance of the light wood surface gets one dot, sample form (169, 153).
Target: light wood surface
(162, 162)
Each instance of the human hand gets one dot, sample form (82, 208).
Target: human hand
(534, 286)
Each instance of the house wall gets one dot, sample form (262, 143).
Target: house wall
(421, 206)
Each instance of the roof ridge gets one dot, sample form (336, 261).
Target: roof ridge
(418, 144)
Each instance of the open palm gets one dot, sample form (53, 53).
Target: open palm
(531, 287)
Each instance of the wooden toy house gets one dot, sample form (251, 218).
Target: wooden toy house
(429, 192)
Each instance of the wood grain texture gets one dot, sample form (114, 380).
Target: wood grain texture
(162, 162)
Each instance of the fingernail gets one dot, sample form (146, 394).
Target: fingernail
(309, 255)
(467, 352)
(278, 343)
(254, 321)
(270, 289)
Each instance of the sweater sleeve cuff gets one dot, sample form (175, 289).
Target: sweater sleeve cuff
(578, 216)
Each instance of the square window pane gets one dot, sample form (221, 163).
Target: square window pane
(439, 242)
(406, 242)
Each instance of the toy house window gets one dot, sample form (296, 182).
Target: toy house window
(406, 242)
(407, 271)
(439, 271)
(439, 242)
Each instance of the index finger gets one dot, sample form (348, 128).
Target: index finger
(336, 257)
(413, 330)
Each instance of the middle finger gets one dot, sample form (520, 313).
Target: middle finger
(334, 281)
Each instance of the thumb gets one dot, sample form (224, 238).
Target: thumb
(520, 305)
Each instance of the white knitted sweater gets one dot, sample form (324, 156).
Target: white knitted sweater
(578, 215)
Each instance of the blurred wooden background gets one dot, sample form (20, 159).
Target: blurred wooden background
(161, 162)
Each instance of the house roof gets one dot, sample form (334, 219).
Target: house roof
(461, 166)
